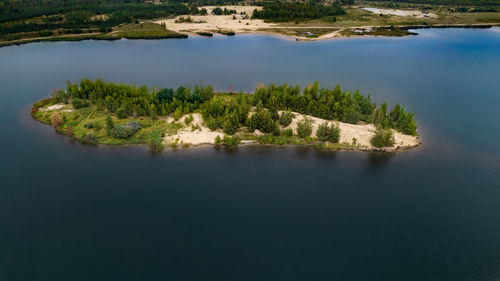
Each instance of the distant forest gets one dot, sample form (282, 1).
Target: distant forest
(289, 11)
(446, 2)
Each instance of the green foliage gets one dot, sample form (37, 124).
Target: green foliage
(218, 140)
(296, 11)
(79, 103)
(230, 141)
(286, 118)
(304, 128)
(89, 139)
(188, 119)
(262, 121)
(121, 113)
(328, 133)
(109, 125)
(382, 138)
(287, 132)
(232, 123)
(125, 131)
(332, 104)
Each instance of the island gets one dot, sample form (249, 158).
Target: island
(98, 112)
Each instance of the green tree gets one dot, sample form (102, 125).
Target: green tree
(304, 127)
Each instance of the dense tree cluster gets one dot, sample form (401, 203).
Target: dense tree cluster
(334, 104)
(447, 2)
(129, 100)
(227, 116)
(229, 113)
(17, 16)
(296, 11)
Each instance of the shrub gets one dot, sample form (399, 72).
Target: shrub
(188, 119)
(286, 118)
(287, 132)
(55, 120)
(211, 123)
(89, 139)
(304, 128)
(328, 133)
(156, 145)
(89, 125)
(276, 131)
(217, 140)
(230, 141)
(261, 120)
(120, 113)
(109, 125)
(382, 138)
(79, 103)
(124, 131)
(231, 124)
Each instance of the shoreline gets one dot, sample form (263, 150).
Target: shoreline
(353, 137)
(186, 35)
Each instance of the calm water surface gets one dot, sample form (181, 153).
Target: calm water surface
(73, 212)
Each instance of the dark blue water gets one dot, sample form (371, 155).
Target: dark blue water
(73, 212)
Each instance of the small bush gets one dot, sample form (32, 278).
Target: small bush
(89, 125)
(328, 133)
(79, 103)
(382, 138)
(188, 119)
(120, 113)
(89, 139)
(304, 128)
(124, 131)
(156, 145)
(211, 123)
(230, 141)
(286, 118)
(217, 140)
(287, 132)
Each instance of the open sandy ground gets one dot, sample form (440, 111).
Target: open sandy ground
(362, 133)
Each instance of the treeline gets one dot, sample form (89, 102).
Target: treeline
(334, 104)
(296, 11)
(447, 2)
(129, 100)
(78, 14)
(25, 9)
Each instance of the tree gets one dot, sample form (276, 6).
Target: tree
(382, 138)
(328, 133)
(304, 128)
(286, 118)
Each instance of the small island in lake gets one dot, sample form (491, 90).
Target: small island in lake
(97, 112)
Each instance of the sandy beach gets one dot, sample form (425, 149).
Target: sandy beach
(349, 133)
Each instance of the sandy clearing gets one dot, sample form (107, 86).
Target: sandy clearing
(53, 107)
(361, 132)
(213, 22)
(401, 13)
(197, 137)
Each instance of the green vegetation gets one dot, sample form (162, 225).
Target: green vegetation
(334, 105)
(304, 128)
(382, 138)
(96, 112)
(296, 11)
(328, 133)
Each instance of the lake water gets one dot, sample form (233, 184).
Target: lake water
(74, 212)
